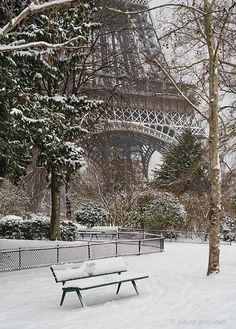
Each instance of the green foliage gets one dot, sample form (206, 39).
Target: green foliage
(182, 168)
(13, 139)
(91, 214)
(40, 90)
(157, 211)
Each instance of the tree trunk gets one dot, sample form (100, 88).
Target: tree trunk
(215, 177)
(68, 202)
(54, 232)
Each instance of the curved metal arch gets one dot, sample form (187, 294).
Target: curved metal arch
(99, 145)
(154, 134)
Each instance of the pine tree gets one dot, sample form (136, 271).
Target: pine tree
(50, 90)
(13, 138)
(182, 168)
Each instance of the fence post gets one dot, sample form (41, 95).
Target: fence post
(116, 248)
(20, 260)
(162, 244)
(139, 246)
(58, 254)
(89, 251)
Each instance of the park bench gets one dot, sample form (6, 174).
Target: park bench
(94, 274)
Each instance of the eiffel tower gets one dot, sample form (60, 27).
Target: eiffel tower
(142, 111)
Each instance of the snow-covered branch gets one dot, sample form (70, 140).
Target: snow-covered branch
(167, 5)
(7, 48)
(33, 9)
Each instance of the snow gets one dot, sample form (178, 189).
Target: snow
(177, 294)
(66, 272)
(103, 266)
(13, 244)
(104, 228)
(89, 268)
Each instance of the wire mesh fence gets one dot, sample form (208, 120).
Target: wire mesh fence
(177, 236)
(26, 258)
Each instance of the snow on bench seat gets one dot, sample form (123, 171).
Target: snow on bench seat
(67, 272)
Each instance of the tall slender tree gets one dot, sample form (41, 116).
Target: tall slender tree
(197, 50)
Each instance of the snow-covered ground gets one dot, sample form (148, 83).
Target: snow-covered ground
(11, 244)
(177, 295)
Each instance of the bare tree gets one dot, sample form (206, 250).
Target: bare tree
(193, 38)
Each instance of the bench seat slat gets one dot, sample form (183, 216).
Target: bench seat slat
(102, 281)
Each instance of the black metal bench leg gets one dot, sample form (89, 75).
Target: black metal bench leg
(62, 297)
(135, 286)
(80, 298)
(118, 288)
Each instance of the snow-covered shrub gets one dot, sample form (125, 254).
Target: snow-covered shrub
(15, 227)
(227, 227)
(91, 214)
(155, 210)
(13, 200)
(33, 227)
(68, 231)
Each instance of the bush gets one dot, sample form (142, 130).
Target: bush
(91, 214)
(227, 227)
(68, 231)
(157, 211)
(33, 227)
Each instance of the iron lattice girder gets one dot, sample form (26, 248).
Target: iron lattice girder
(99, 146)
(162, 125)
(131, 87)
(125, 41)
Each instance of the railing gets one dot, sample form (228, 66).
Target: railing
(26, 258)
(182, 236)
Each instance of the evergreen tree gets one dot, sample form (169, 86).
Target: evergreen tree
(13, 137)
(182, 168)
(49, 83)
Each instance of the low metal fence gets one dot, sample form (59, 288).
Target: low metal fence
(28, 258)
(178, 236)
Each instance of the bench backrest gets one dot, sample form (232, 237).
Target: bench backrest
(87, 269)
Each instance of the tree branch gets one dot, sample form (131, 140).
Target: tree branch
(227, 63)
(7, 48)
(33, 9)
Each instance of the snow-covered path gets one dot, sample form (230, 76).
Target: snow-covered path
(177, 295)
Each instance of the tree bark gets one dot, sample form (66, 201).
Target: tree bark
(68, 202)
(215, 177)
(54, 231)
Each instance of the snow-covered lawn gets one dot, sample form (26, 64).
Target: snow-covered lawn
(177, 295)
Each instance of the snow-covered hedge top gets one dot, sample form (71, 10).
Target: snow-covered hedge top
(104, 228)
(80, 227)
(89, 268)
(84, 228)
(11, 218)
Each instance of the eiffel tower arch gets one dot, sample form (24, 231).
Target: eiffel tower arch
(142, 111)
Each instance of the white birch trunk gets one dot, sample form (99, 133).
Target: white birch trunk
(215, 177)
